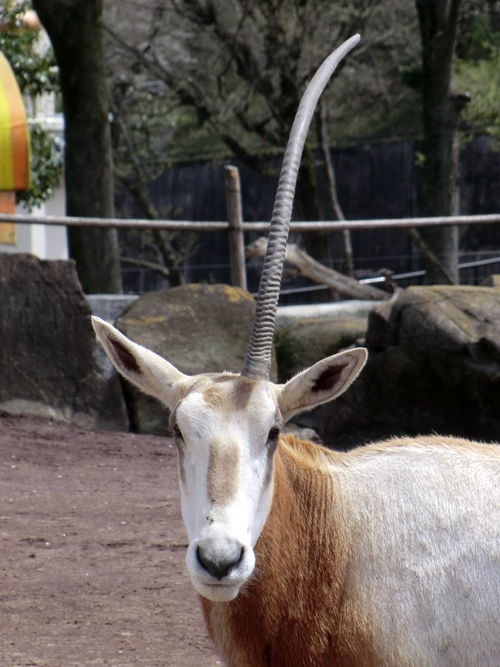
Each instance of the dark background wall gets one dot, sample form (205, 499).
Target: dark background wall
(380, 180)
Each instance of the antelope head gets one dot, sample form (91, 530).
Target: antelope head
(226, 425)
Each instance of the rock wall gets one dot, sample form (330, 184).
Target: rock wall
(48, 353)
(306, 334)
(434, 366)
(434, 362)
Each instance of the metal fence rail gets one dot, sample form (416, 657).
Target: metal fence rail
(303, 227)
(236, 228)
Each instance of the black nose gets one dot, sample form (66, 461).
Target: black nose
(219, 567)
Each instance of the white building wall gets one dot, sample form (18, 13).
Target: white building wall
(44, 241)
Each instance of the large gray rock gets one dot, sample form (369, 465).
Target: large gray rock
(49, 360)
(307, 334)
(109, 307)
(198, 328)
(434, 366)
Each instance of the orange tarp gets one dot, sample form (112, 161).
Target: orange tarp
(14, 135)
(8, 229)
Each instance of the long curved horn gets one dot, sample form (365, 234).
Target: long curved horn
(257, 364)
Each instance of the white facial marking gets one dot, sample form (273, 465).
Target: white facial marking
(226, 479)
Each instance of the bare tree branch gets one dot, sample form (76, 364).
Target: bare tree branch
(322, 134)
(143, 263)
(431, 257)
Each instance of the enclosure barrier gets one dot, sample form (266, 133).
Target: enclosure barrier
(237, 228)
(303, 227)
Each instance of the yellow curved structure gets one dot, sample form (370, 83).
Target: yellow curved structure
(14, 134)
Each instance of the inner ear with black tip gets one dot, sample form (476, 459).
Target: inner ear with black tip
(126, 358)
(329, 377)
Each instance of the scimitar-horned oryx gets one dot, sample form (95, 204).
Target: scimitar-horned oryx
(385, 556)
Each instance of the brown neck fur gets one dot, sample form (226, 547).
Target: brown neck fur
(291, 612)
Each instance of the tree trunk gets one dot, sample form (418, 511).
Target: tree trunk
(75, 30)
(442, 105)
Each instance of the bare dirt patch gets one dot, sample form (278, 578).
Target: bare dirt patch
(92, 551)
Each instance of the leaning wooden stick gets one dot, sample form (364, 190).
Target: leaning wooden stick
(347, 288)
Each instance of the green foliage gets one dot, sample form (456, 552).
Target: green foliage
(481, 80)
(479, 75)
(46, 166)
(36, 74)
(419, 159)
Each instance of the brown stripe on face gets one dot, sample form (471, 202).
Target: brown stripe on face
(223, 378)
(227, 402)
(181, 458)
(269, 465)
(268, 478)
(223, 471)
(242, 392)
(181, 455)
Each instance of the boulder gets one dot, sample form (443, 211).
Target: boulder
(307, 334)
(492, 281)
(48, 353)
(434, 366)
(198, 328)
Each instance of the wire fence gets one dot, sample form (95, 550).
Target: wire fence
(140, 280)
(471, 271)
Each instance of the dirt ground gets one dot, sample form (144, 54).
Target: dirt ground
(92, 551)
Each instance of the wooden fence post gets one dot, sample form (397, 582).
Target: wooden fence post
(235, 219)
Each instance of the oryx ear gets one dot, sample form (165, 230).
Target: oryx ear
(320, 383)
(148, 371)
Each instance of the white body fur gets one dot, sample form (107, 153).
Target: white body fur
(424, 531)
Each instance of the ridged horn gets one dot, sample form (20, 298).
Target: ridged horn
(257, 364)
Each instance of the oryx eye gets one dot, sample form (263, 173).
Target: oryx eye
(273, 435)
(177, 432)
